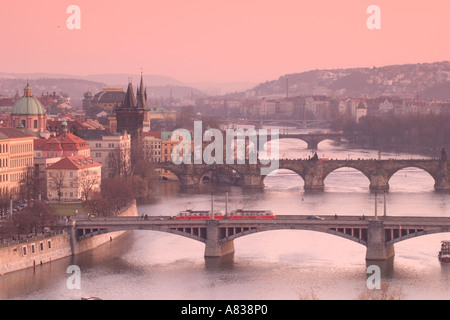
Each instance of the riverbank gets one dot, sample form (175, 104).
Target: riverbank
(30, 252)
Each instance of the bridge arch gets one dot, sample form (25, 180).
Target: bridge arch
(358, 178)
(233, 176)
(405, 175)
(167, 173)
(417, 234)
(360, 238)
(185, 232)
(292, 177)
(343, 165)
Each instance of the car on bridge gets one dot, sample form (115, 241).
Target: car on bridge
(315, 218)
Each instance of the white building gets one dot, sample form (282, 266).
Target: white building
(73, 178)
(111, 149)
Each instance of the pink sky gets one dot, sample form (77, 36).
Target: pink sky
(212, 40)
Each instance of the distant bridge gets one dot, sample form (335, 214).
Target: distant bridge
(312, 139)
(378, 234)
(278, 122)
(314, 172)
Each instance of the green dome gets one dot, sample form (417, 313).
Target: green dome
(27, 105)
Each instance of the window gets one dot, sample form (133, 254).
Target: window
(49, 244)
(24, 250)
(41, 246)
(33, 249)
(35, 124)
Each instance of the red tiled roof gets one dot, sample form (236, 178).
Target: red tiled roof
(152, 134)
(75, 163)
(13, 133)
(65, 141)
(39, 144)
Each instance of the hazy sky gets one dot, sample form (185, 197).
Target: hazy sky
(212, 40)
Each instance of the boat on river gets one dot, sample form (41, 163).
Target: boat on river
(444, 254)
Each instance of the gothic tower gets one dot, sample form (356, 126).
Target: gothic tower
(133, 114)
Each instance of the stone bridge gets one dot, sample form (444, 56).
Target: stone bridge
(378, 234)
(312, 139)
(314, 171)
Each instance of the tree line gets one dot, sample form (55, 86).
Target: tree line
(135, 179)
(427, 133)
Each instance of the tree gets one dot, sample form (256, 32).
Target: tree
(121, 162)
(41, 216)
(118, 192)
(5, 200)
(88, 181)
(56, 180)
(22, 222)
(30, 184)
(97, 205)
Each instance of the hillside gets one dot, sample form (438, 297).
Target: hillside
(76, 87)
(429, 80)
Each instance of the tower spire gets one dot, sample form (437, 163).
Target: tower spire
(130, 100)
(142, 94)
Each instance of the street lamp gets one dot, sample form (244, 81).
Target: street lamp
(10, 205)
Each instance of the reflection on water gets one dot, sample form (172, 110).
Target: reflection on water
(283, 264)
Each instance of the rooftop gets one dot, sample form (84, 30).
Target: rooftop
(13, 133)
(74, 163)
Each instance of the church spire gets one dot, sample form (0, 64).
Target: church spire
(130, 100)
(142, 94)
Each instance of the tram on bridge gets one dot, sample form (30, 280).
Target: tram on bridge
(236, 214)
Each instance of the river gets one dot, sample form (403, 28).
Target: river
(285, 264)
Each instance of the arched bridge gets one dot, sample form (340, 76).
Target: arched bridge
(314, 171)
(378, 234)
(312, 139)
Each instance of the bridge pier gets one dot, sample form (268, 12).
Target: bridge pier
(442, 180)
(252, 181)
(213, 247)
(314, 183)
(189, 181)
(376, 242)
(313, 177)
(379, 183)
(312, 144)
(442, 187)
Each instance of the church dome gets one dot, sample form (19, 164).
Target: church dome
(88, 95)
(28, 105)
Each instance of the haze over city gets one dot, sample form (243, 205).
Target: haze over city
(219, 41)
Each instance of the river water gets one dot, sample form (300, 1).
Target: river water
(285, 264)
